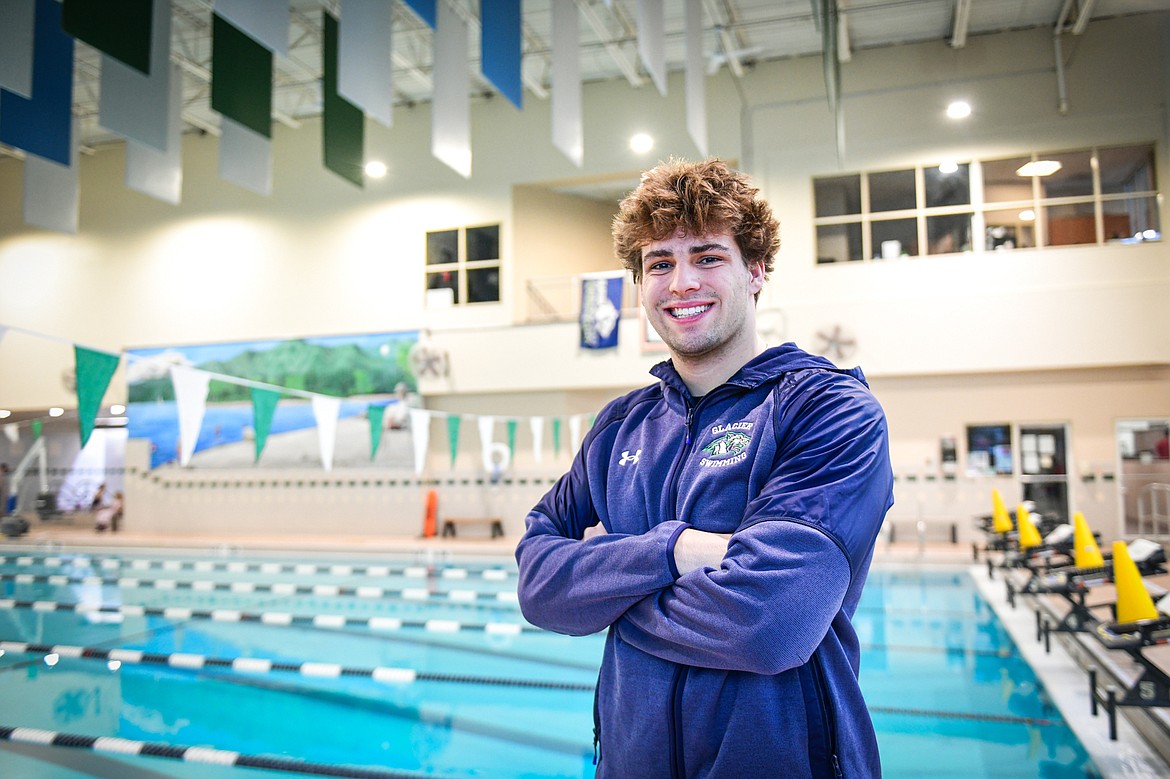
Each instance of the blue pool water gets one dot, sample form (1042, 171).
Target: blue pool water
(467, 689)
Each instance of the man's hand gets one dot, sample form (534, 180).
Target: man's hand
(696, 549)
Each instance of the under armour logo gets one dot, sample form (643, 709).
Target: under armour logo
(630, 458)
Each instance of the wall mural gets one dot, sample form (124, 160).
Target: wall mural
(371, 372)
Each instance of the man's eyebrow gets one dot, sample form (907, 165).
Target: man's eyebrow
(699, 249)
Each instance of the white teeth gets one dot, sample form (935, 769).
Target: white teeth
(683, 313)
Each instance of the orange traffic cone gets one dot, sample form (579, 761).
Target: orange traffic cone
(431, 517)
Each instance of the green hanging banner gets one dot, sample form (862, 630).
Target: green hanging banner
(453, 435)
(557, 435)
(121, 30)
(94, 371)
(376, 414)
(512, 438)
(241, 77)
(263, 409)
(342, 123)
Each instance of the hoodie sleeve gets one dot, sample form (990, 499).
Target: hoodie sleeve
(790, 564)
(576, 585)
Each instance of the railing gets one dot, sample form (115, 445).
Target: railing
(1154, 510)
(558, 299)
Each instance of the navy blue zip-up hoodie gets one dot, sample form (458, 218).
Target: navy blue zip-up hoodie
(745, 670)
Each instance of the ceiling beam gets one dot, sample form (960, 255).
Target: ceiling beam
(614, 50)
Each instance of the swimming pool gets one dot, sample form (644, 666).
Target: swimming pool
(370, 666)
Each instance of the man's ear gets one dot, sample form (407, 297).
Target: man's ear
(756, 283)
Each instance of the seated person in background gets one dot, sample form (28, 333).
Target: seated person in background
(106, 517)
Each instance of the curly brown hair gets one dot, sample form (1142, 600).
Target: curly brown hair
(700, 198)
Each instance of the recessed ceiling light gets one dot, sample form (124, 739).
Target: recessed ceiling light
(959, 109)
(117, 409)
(5, 413)
(56, 411)
(641, 143)
(375, 169)
(948, 166)
(1039, 168)
(1027, 215)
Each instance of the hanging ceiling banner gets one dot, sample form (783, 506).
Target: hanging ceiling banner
(123, 30)
(265, 21)
(241, 77)
(450, 106)
(696, 77)
(42, 124)
(565, 103)
(160, 173)
(500, 47)
(651, 21)
(52, 193)
(342, 123)
(16, 46)
(245, 157)
(365, 68)
(425, 10)
(132, 103)
(191, 386)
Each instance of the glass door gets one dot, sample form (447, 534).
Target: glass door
(1143, 454)
(1044, 471)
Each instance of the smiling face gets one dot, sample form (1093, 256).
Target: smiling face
(699, 295)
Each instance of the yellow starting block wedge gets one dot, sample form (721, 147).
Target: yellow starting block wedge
(1133, 600)
(1001, 522)
(1029, 535)
(1087, 553)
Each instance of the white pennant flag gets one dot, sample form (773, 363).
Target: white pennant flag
(537, 425)
(486, 426)
(12, 432)
(420, 432)
(574, 433)
(191, 387)
(326, 410)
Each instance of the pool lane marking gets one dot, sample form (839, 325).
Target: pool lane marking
(277, 617)
(260, 665)
(236, 566)
(195, 754)
(276, 588)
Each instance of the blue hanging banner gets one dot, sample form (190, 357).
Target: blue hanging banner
(425, 10)
(500, 47)
(42, 125)
(601, 308)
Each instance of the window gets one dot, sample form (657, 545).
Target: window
(463, 266)
(894, 213)
(1086, 196)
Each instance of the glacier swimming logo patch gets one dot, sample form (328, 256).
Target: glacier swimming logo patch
(730, 445)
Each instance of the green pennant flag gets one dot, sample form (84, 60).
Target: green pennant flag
(342, 123)
(36, 428)
(557, 435)
(263, 409)
(94, 371)
(512, 437)
(376, 414)
(453, 435)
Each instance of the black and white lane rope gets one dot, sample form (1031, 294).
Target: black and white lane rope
(115, 658)
(239, 566)
(276, 617)
(274, 588)
(194, 754)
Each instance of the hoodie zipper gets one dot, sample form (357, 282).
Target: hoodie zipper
(827, 718)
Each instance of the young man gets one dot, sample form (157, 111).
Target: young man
(741, 496)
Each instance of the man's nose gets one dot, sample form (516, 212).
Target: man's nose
(683, 278)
